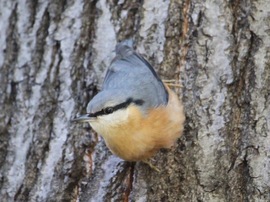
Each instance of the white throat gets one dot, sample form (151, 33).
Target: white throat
(108, 121)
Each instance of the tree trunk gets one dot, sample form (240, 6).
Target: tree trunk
(52, 58)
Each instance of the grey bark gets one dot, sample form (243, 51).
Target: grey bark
(52, 58)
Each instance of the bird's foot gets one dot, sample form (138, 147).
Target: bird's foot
(151, 165)
(172, 83)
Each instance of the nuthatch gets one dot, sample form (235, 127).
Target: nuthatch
(135, 112)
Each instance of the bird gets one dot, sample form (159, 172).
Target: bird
(135, 112)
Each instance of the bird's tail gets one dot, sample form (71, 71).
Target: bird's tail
(124, 48)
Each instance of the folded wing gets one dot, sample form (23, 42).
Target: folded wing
(131, 73)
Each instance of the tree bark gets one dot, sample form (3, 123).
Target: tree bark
(53, 55)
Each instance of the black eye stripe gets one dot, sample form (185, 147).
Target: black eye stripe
(108, 110)
(123, 105)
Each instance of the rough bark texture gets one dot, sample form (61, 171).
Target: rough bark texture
(52, 58)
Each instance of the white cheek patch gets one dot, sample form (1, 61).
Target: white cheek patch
(114, 118)
(103, 123)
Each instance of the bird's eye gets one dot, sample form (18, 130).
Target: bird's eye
(108, 110)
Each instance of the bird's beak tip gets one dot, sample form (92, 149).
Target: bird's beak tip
(81, 118)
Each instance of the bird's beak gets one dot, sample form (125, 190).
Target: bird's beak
(83, 118)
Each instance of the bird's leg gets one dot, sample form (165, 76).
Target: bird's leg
(151, 165)
(172, 83)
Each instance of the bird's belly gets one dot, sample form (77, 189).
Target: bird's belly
(130, 147)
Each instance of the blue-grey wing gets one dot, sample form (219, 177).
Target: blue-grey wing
(132, 73)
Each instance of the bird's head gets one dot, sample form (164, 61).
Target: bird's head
(109, 109)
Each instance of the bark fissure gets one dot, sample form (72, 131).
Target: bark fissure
(128, 182)
(240, 93)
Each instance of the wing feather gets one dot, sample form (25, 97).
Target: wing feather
(131, 71)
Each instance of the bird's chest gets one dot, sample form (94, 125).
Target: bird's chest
(127, 140)
(128, 143)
